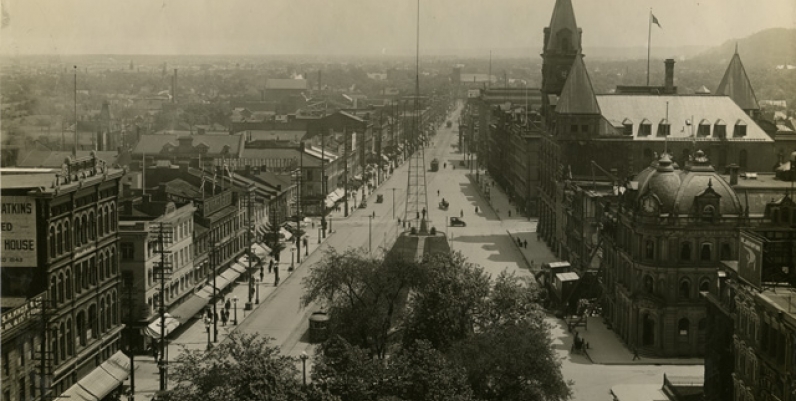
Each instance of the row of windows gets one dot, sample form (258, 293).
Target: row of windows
(88, 273)
(703, 129)
(743, 158)
(686, 252)
(683, 289)
(86, 227)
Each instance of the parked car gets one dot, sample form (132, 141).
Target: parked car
(457, 222)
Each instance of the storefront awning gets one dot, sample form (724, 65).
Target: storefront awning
(285, 234)
(154, 328)
(207, 291)
(240, 266)
(230, 275)
(100, 381)
(260, 251)
(189, 308)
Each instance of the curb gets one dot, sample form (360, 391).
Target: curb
(481, 194)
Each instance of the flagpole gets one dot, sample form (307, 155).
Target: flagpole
(649, 39)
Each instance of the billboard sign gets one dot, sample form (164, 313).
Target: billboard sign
(750, 259)
(18, 232)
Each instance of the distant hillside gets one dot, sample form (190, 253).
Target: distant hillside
(764, 49)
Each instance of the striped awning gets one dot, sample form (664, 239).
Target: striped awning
(154, 328)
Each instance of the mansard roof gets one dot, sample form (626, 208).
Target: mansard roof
(736, 85)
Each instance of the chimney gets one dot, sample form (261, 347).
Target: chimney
(733, 174)
(669, 83)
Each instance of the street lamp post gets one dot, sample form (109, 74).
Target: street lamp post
(292, 258)
(370, 220)
(393, 203)
(304, 358)
(258, 290)
(235, 301)
(207, 329)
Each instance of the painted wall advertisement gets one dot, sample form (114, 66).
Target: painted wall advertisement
(750, 260)
(18, 231)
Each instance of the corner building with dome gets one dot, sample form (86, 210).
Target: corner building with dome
(663, 244)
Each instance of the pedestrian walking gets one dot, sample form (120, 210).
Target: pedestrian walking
(223, 317)
(509, 213)
(227, 305)
(525, 243)
(374, 213)
(438, 192)
(476, 210)
(444, 165)
(635, 354)
(461, 212)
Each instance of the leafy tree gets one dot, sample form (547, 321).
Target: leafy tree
(346, 371)
(446, 301)
(364, 296)
(419, 373)
(243, 368)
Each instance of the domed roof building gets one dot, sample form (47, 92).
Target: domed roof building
(663, 245)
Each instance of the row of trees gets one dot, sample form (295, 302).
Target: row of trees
(436, 330)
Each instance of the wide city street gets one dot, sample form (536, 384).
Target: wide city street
(488, 239)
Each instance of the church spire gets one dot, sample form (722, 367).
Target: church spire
(736, 85)
(564, 34)
(577, 97)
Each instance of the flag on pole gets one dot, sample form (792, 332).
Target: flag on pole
(655, 21)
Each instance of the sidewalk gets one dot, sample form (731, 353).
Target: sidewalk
(193, 335)
(606, 348)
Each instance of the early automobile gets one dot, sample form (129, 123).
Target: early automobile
(379, 198)
(457, 222)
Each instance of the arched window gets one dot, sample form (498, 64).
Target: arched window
(70, 338)
(708, 213)
(68, 280)
(59, 238)
(685, 289)
(114, 264)
(92, 225)
(101, 221)
(704, 285)
(685, 251)
(114, 313)
(101, 262)
(61, 287)
(113, 221)
(53, 289)
(94, 271)
(53, 241)
(67, 236)
(81, 328)
(62, 341)
(103, 322)
(78, 232)
(649, 285)
(649, 248)
(725, 251)
(706, 252)
(84, 229)
(683, 327)
(93, 321)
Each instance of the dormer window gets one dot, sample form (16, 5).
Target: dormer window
(704, 128)
(645, 128)
(664, 128)
(627, 127)
(740, 129)
(720, 129)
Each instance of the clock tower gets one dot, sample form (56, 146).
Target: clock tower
(561, 45)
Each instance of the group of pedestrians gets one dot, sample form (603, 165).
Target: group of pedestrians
(522, 243)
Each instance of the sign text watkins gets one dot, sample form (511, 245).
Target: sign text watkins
(18, 232)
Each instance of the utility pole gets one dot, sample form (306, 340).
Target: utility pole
(129, 291)
(393, 203)
(323, 183)
(74, 147)
(250, 237)
(46, 356)
(370, 236)
(213, 264)
(298, 204)
(162, 273)
(345, 172)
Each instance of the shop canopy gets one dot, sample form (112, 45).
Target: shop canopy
(154, 328)
(101, 381)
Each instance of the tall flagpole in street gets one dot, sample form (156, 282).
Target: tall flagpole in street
(649, 39)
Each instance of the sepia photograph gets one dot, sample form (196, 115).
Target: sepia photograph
(387, 200)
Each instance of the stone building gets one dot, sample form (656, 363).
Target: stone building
(663, 243)
(60, 237)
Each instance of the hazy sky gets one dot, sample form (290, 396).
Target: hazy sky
(363, 26)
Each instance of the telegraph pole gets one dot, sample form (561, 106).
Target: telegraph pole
(345, 173)
(323, 184)
(74, 147)
(162, 273)
(250, 237)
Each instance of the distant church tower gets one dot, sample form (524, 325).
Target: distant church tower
(561, 45)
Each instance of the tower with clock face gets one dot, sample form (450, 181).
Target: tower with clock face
(562, 42)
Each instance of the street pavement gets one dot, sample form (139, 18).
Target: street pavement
(489, 240)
